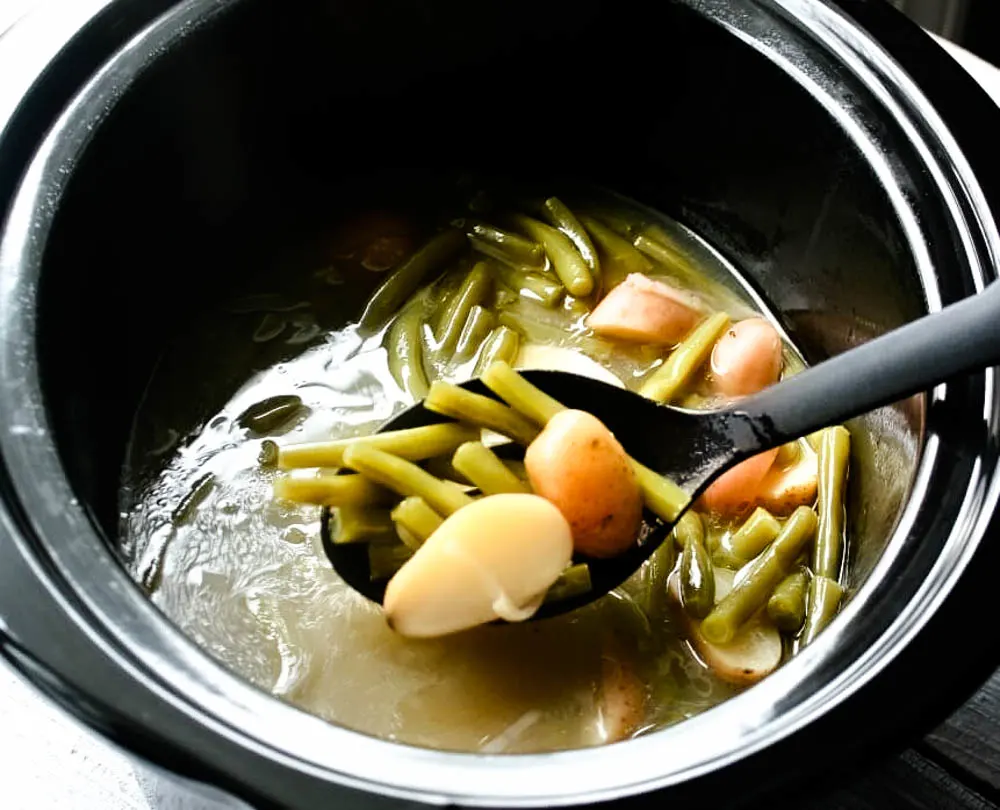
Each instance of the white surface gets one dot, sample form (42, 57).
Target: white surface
(48, 762)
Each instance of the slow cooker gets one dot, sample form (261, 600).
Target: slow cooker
(828, 148)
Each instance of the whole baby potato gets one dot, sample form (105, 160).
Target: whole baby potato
(578, 464)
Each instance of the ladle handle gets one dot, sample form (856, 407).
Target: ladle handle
(962, 337)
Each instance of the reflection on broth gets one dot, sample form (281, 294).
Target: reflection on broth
(243, 574)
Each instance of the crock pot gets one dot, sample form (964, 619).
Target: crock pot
(827, 147)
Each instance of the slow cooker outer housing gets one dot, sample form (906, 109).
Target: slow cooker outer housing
(60, 638)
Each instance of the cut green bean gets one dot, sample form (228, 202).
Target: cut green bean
(333, 490)
(505, 245)
(667, 381)
(671, 258)
(270, 414)
(655, 578)
(362, 524)
(502, 344)
(619, 257)
(413, 444)
(567, 263)
(821, 606)
(689, 528)
(834, 456)
(530, 285)
(559, 216)
(663, 497)
(757, 532)
(477, 328)
(520, 394)
(406, 478)
(751, 592)
(787, 605)
(697, 579)
(450, 400)
(190, 502)
(404, 345)
(482, 467)
(404, 281)
(574, 581)
(415, 515)
(384, 560)
(474, 289)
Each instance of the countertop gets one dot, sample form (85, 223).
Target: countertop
(47, 761)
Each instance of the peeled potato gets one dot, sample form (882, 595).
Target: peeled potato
(493, 559)
(755, 651)
(645, 311)
(747, 358)
(784, 489)
(577, 464)
(736, 491)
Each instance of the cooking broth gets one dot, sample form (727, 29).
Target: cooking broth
(244, 576)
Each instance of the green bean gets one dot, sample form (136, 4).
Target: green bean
(787, 605)
(385, 560)
(656, 575)
(504, 245)
(761, 577)
(405, 477)
(528, 284)
(666, 255)
(477, 327)
(482, 467)
(619, 257)
(520, 394)
(559, 216)
(502, 344)
(662, 496)
(821, 606)
(405, 280)
(757, 532)
(697, 579)
(404, 345)
(270, 414)
(413, 444)
(473, 290)
(665, 383)
(332, 490)
(418, 519)
(574, 581)
(198, 492)
(450, 400)
(568, 264)
(688, 528)
(361, 524)
(834, 455)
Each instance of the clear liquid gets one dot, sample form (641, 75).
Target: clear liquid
(243, 575)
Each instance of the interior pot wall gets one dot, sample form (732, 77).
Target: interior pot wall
(236, 147)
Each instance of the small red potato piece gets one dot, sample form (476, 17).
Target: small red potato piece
(736, 491)
(578, 465)
(644, 311)
(747, 358)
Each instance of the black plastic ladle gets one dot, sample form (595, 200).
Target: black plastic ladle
(693, 448)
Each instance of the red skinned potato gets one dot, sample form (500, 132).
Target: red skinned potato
(645, 311)
(787, 487)
(736, 491)
(747, 358)
(577, 464)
